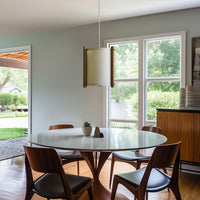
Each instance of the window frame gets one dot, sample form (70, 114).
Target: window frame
(142, 79)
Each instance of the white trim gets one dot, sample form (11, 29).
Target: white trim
(144, 83)
(162, 79)
(15, 49)
(141, 61)
(144, 37)
(105, 107)
(126, 80)
(30, 89)
(108, 107)
(19, 49)
(124, 120)
(183, 59)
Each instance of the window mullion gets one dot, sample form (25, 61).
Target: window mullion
(183, 59)
(127, 80)
(160, 79)
(140, 85)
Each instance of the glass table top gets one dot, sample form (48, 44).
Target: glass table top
(114, 139)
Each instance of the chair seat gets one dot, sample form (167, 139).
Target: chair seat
(50, 185)
(157, 180)
(130, 155)
(69, 154)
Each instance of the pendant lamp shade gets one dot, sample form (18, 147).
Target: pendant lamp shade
(98, 67)
(98, 64)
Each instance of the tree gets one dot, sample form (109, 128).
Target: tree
(163, 60)
(126, 62)
(15, 77)
(4, 82)
(126, 66)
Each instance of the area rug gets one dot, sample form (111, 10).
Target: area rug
(12, 147)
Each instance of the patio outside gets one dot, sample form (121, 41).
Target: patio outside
(13, 95)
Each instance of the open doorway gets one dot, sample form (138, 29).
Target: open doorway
(15, 100)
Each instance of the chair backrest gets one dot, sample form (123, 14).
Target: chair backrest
(60, 126)
(164, 156)
(45, 160)
(152, 129)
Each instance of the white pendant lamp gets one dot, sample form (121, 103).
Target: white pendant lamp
(98, 64)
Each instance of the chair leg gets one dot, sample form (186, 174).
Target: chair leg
(176, 191)
(29, 195)
(111, 169)
(29, 180)
(78, 170)
(114, 189)
(165, 170)
(138, 164)
(90, 193)
(142, 194)
(146, 194)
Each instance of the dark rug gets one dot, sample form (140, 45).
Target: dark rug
(12, 147)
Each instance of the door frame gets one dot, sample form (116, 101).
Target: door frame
(18, 49)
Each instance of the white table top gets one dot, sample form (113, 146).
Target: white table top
(114, 139)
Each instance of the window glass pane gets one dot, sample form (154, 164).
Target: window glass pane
(124, 101)
(126, 60)
(126, 125)
(163, 58)
(161, 95)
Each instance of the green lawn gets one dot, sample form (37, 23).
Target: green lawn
(8, 133)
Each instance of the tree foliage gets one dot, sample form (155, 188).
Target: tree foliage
(13, 100)
(158, 99)
(126, 60)
(123, 90)
(14, 77)
(162, 60)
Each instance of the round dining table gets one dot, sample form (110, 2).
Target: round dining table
(114, 139)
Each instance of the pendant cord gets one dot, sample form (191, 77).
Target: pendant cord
(99, 20)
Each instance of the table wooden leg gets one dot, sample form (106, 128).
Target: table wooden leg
(100, 192)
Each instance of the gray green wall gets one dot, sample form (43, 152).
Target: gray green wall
(57, 92)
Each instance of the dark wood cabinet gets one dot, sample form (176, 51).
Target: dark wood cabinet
(182, 125)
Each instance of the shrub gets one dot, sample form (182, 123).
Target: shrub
(22, 99)
(160, 99)
(6, 99)
(13, 100)
(157, 99)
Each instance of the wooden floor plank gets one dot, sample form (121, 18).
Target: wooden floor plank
(12, 181)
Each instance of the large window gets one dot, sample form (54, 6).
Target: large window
(149, 72)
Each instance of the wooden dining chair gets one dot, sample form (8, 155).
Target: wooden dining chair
(68, 156)
(53, 183)
(150, 178)
(135, 158)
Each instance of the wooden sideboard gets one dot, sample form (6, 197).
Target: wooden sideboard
(184, 125)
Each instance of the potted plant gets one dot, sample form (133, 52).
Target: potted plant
(87, 129)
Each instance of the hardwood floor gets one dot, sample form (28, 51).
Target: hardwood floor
(12, 181)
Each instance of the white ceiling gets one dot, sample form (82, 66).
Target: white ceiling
(23, 16)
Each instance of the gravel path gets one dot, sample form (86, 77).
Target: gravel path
(12, 147)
